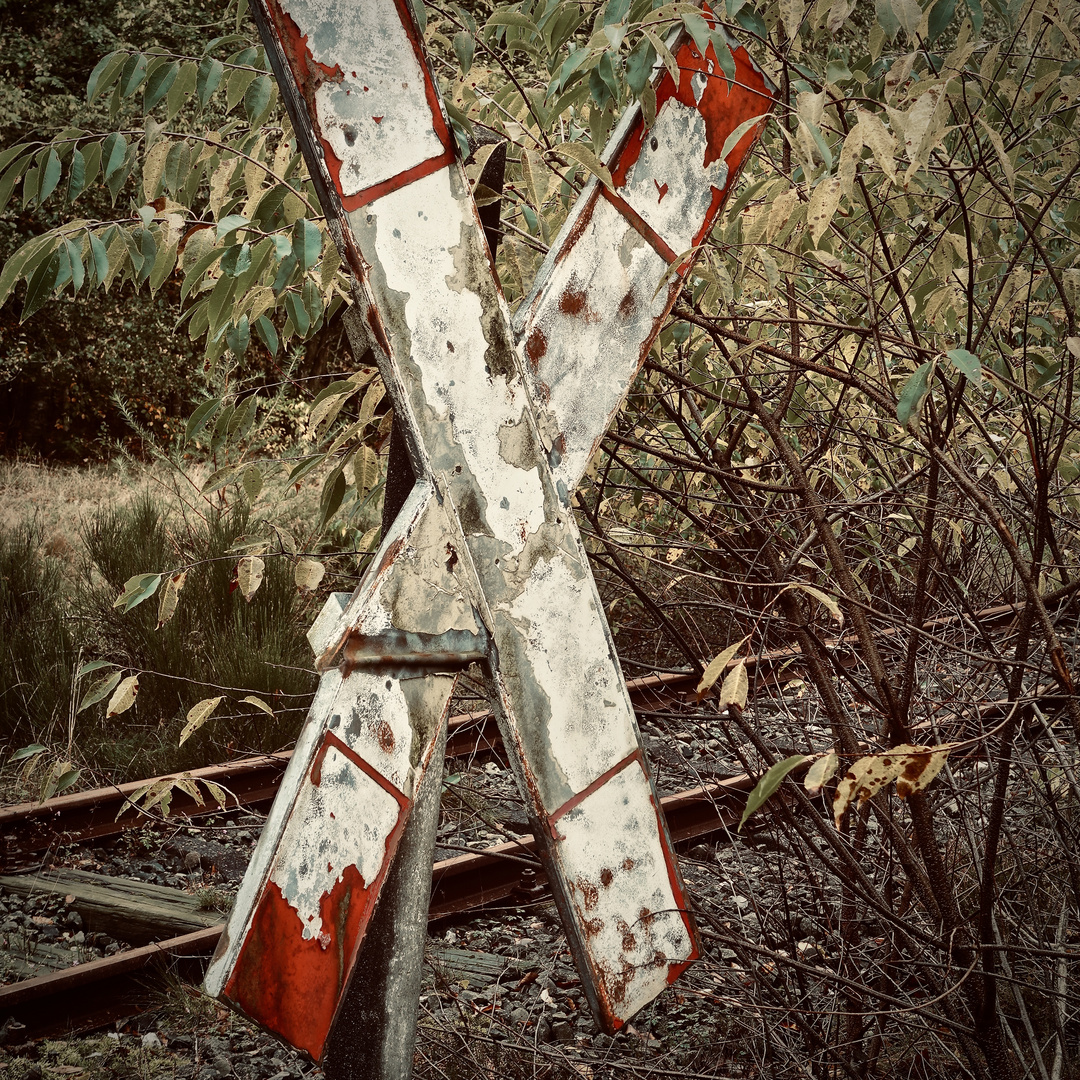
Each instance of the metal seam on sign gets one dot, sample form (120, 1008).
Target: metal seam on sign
(599, 782)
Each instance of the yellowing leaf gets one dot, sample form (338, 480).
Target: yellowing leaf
(864, 780)
(823, 598)
(921, 765)
(124, 696)
(716, 668)
(823, 204)
(580, 153)
(735, 687)
(249, 575)
(258, 702)
(170, 596)
(821, 772)
(197, 716)
(308, 574)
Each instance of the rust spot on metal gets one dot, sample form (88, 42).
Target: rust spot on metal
(645, 916)
(385, 734)
(627, 305)
(628, 863)
(589, 893)
(607, 876)
(573, 302)
(661, 191)
(592, 927)
(535, 348)
(451, 558)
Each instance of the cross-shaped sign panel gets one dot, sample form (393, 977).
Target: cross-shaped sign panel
(484, 561)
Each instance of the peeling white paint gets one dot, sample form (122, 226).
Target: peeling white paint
(591, 727)
(621, 890)
(343, 820)
(419, 230)
(584, 361)
(373, 721)
(669, 185)
(377, 119)
(251, 887)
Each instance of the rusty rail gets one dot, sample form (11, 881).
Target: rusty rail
(102, 991)
(29, 828)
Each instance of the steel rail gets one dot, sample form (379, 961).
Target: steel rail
(27, 829)
(102, 991)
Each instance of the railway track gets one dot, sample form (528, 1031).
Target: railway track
(102, 991)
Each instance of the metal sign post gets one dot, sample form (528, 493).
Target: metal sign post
(484, 562)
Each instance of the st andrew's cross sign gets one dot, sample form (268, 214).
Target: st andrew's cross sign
(484, 561)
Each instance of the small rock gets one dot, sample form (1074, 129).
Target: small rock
(73, 920)
(562, 1031)
(50, 933)
(150, 1041)
(192, 862)
(519, 1016)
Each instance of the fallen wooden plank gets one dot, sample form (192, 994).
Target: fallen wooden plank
(129, 910)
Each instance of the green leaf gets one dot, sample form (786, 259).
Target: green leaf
(41, 286)
(75, 260)
(966, 363)
(294, 305)
(699, 30)
(210, 73)
(76, 175)
(911, 396)
(100, 690)
(768, 784)
(267, 334)
(306, 243)
(137, 588)
(464, 48)
(639, 65)
(104, 74)
(332, 494)
(99, 260)
(230, 224)
(114, 151)
(134, 73)
(50, 176)
(93, 665)
(236, 260)
(200, 416)
(257, 97)
(67, 779)
(27, 752)
(603, 86)
(238, 337)
(24, 261)
(158, 84)
(420, 12)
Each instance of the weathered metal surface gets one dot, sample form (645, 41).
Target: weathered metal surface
(595, 307)
(484, 559)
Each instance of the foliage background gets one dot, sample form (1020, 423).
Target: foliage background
(858, 429)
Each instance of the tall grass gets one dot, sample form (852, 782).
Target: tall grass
(39, 641)
(216, 644)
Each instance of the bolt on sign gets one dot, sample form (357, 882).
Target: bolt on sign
(484, 561)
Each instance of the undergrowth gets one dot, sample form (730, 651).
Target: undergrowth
(58, 615)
